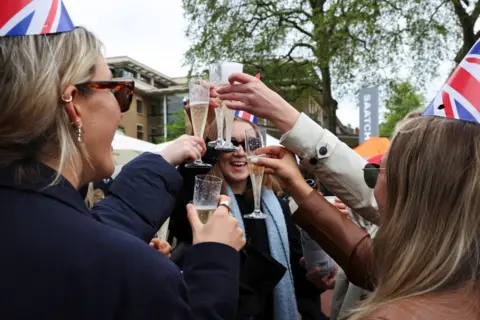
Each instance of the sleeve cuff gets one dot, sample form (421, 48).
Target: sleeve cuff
(307, 137)
(212, 255)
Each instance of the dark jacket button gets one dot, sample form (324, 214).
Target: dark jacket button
(313, 161)
(323, 151)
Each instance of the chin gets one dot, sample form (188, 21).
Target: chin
(103, 170)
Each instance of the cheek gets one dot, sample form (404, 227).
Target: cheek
(380, 193)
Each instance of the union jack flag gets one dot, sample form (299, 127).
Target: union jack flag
(459, 97)
(247, 116)
(31, 17)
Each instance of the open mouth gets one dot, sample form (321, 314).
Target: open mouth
(238, 164)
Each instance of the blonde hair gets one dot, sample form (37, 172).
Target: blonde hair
(429, 236)
(269, 182)
(90, 197)
(34, 71)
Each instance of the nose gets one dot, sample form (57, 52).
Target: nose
(240, 151)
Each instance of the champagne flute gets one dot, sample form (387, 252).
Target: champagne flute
(255, 139)
(206, 195)
(215, 79)
(227, 69)
(199, 99)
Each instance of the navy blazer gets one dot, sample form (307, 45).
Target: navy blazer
(58, 261)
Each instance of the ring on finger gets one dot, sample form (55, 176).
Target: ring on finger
(227, 204)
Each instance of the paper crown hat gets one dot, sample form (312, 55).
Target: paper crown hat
(33, 17)
(459, 97)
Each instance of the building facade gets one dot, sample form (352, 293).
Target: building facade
(156, 100)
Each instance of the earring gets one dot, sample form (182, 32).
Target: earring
(67, 100)
(79, 130)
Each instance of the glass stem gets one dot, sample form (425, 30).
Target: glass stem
(257, 194)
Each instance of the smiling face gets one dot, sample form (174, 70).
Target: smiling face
(234, 164)
(100, 113)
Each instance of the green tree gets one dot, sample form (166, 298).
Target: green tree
(403, 98)
(177, 127)
(336, 39)
(434, 29)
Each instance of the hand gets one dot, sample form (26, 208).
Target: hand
(342, 208)
(185, 148)
(326, 282)
(256, 98)
(220, 228)
(280, 162)
(162, 247)
(214, 103)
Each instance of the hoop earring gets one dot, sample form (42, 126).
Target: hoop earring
(79, 130)
(67, 100)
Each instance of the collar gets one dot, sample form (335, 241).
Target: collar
(38, 183)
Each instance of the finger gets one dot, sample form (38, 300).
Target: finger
(199, 143)
(234, 96)
(213, 103)
(193, 218)
(274, 164)
(242, 78)
(271, 150)
(268, 171)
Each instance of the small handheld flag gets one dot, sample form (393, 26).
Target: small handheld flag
(246, 116)
(33, 17)
(459, 98)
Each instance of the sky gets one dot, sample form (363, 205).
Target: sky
(153, 32)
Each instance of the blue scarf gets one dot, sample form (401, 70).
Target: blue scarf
(284, 301)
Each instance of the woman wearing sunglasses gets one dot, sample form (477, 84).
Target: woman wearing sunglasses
(424, 262)
(59, 110)
(273, 283)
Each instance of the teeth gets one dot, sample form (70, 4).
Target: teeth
(239, 163)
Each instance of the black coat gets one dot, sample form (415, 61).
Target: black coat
(61, 262)
(258, 273)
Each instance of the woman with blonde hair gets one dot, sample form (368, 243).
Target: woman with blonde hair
(59, 110)
(424, 262)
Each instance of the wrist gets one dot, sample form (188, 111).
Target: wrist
(298, 189)
(286, 118)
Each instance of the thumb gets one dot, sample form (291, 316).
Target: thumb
(274, 164)
(193, 218)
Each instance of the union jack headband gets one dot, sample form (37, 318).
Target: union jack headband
(33, 17)
(459, 97)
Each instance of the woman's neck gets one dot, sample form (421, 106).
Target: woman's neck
(239, 187)
(67, 173)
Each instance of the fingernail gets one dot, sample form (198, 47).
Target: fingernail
(254, 160)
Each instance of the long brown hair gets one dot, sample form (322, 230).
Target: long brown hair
(269, 181)
(429, 238)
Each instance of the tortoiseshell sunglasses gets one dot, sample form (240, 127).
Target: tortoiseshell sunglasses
(122, 90)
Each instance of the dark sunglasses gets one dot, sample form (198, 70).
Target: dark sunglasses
(122, 90)
(237, 143)
(370, 174)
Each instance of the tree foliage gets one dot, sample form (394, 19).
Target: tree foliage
(348, 43)
(403, 98)
(176, 127)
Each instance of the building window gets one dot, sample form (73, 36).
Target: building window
(139, 106)
(159, 85)
(139, 132)
(144, 78)
(155, 110)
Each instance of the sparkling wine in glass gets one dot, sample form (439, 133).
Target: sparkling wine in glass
(206, 195)
(199, 99)
(255, 139)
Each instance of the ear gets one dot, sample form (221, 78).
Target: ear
(68, 98)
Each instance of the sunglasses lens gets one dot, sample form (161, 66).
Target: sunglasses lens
(124, 98)
(370, 175)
